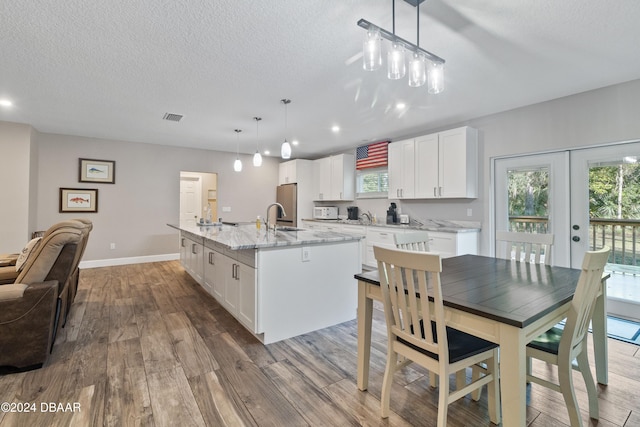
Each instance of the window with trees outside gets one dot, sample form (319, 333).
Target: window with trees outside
(372, 183)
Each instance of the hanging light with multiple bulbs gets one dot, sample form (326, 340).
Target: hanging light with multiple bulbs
(237, 165)
(424, 66)
(285, 149)
(257, 158)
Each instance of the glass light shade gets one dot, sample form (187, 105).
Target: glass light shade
(372, 49)
(417, 70)
(396, 67)
(257, 159)
(237, 165)
(285, 150)
(435, 77)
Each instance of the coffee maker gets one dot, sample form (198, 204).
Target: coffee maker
(352, 212)
(392, 214)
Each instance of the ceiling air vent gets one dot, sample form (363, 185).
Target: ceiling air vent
(173, 117)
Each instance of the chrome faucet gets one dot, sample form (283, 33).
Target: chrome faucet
(267, 217)
(368, 215)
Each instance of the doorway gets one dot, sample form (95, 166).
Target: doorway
(197, 190)
(587, 198)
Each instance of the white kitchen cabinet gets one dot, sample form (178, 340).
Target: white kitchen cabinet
(192, 256)
(452, 244)
(379, 236)
(334, 178)
(247, 298)
(293, 171)
(439, 165)
(401, 168)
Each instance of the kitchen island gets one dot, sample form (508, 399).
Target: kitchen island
(278, 285)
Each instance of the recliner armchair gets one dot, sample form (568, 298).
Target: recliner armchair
(31, 307)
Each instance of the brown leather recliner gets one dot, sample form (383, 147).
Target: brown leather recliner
(85, 227)
(31, 307)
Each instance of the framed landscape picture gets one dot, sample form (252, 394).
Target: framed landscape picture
(78, 200)
(93, 170)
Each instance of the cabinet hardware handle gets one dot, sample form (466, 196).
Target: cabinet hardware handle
(237, 271)
(193, 249)
(182, 242)
(211, 258)
(434, 192)
(440, 191)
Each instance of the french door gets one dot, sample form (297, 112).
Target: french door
(532, 195)
(587, 198)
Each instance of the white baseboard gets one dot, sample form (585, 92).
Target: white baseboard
(131, 260)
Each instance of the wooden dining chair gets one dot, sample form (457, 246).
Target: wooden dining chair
(561, 347)
(414, 241)
(527, 247)
(417, 331)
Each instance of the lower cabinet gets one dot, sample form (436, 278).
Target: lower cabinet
(192, 256)
(230, 276)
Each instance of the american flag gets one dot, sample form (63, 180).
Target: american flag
(372, 155)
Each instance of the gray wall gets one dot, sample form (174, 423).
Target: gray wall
(133, 212)
(601, 116)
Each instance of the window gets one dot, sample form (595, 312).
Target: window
(372, 183)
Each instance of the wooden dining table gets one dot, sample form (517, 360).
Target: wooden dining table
(506, 302)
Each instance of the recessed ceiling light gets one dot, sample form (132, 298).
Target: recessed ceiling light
(401, 105)
(294, 142)
(335, 128)
(266, 152)
(5, 103)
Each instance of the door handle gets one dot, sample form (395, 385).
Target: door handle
(576, 238)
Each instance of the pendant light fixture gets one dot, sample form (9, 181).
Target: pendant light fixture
(237, 165)
(285, 149)
(424, 66)
(257, 158)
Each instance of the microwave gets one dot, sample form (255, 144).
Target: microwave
(325, 212)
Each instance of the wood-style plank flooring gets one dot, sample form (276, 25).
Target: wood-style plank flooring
(145, 345)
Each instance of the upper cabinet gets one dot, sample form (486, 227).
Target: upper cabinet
(440, 165)
(288, 172)
(334, 178)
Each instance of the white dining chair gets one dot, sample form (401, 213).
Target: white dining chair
(527, 247)
(561, 347)
(417, 331)
(414, 241)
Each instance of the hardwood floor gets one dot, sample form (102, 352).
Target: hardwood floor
(145, 345)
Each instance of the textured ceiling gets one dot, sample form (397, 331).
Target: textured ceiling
(112, 69)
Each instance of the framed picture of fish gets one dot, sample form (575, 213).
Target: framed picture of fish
(92, 170)
(78, 200)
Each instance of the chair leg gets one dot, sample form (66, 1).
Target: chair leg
(443, 400)
(565, 380)
(583, 364)
(433, 379)
(385, 398)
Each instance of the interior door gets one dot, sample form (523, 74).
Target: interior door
(190, 199)
(531, 194)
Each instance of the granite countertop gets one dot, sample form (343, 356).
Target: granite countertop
(248, 237)
(442, 225)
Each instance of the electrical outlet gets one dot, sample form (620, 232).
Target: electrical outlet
(306, 254)
(112, 246)
(226, 209)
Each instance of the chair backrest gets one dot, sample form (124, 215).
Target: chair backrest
(85, 226)
(403, 274)
(584, 301)
(414, 241)
(527, 247)
(54, 257)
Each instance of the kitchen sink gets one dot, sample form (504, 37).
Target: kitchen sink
(288, 229)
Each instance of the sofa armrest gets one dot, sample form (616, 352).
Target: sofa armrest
(20, 299)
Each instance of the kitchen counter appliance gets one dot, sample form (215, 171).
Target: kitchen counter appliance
(352, 213)
(325, 212)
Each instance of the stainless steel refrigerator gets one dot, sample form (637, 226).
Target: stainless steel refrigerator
(287, 196)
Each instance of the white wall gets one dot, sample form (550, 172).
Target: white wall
(133, 212)
(17, 180)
